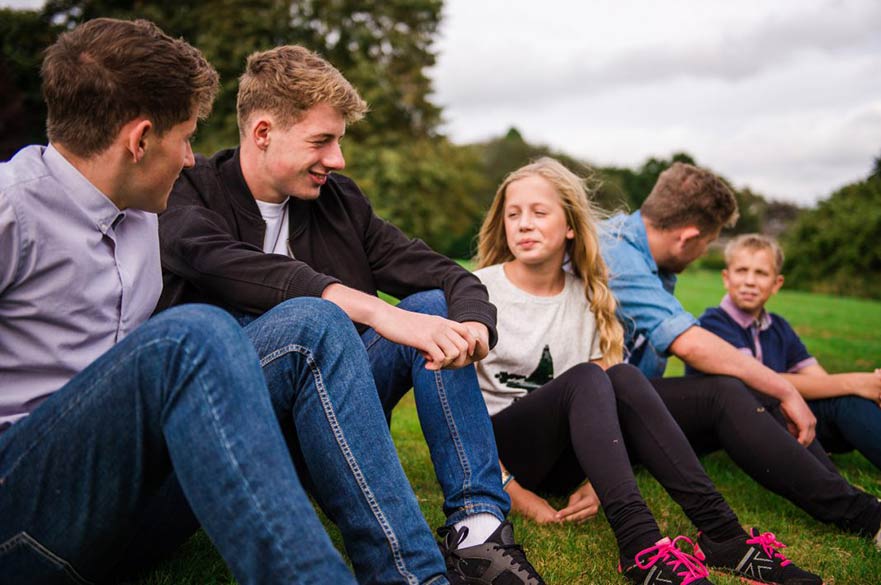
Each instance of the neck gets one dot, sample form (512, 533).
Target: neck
(101, 171)
(541, 280)
(658, 242)
(250, 159)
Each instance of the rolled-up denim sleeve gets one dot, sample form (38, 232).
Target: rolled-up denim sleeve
(650, 311)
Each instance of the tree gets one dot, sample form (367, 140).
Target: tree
(23, 36)
(834, 247)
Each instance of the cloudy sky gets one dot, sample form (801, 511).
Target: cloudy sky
(784, 96)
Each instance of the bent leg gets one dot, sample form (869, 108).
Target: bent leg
(577, 410)
(320, 384)
(656, 441)
(721, 411)
(452, 414)
(849, 422)
(183, 392)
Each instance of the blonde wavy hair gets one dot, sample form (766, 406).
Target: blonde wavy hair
(584, 249)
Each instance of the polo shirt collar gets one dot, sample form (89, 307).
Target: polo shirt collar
(82, 194)
(744, 319)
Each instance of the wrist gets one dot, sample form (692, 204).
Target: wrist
(507, 478)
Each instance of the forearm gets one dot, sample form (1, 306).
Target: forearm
(360, 307)
(817, 386)
(710, 354)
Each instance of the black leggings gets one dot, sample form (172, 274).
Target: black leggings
(574, 427)
(720, 412)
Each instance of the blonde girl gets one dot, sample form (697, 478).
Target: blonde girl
(565, 410)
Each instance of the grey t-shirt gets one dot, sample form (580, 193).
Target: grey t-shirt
(539, 337)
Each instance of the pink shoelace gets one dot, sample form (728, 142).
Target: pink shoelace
(683, 564)
(769, 544)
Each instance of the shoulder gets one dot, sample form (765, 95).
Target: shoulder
(345, 190)
(715, 318)
(782, 325)
(488, 273)
(25, 167)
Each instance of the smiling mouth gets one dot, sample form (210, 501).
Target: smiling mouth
(320, 178)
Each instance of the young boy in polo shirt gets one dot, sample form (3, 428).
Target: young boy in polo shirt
(847, 406)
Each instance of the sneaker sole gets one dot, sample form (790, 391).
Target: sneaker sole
(747, 580)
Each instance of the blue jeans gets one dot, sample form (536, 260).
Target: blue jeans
(338, 431)
(846, 423)
(177, 415)
(452, 413)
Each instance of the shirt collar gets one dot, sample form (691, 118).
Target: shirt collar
(82, 193)
(744, 319)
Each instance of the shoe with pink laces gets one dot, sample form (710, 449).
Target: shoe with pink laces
(665, 563)
(755, 558)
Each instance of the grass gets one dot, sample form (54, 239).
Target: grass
(841, 332)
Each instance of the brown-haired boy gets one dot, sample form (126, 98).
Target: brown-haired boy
(847, 406)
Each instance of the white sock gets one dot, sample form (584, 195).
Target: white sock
(480, 527)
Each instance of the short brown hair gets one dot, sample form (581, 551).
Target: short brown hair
(286, 81)
(106, 72)
(755, 242)
(688, 195)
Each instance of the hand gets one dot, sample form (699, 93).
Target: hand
(583, 505)
(442, 342)
(530, 504)
(480, 333)
(868, 385)
(799, 419)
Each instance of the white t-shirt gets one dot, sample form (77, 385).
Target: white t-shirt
(539, 338)
(275, 241)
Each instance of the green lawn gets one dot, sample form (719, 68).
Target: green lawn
(841, 332)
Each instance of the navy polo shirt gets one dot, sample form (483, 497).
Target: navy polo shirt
(768, 338)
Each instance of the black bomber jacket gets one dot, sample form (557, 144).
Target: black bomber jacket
(212, 233)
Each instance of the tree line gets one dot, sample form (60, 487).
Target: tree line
(414, 175)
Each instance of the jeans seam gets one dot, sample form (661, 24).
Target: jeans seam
(342, 443)
(457, 442)
(38, 548)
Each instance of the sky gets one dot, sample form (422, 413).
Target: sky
(783, 97)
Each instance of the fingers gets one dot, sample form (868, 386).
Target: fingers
(579, 512)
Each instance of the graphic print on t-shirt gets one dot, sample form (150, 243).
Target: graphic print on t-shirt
(543, 374)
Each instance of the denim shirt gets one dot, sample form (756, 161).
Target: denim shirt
(651, 315)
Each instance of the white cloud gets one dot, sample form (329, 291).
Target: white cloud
(770, 94)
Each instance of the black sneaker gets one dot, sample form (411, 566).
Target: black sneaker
(498, 561)
(665, 564)
(755, 558)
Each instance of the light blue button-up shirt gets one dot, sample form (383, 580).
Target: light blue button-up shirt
(76, 276)
(651, 315)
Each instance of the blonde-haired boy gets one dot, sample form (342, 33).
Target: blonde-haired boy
(847, 406)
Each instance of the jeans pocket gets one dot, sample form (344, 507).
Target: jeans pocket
(24, 560)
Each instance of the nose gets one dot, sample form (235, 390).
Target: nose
(525, 221)
(333, 159)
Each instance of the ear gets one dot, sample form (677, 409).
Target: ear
(260, 133)
(688, 233)
(570, 233)
(135, 135)
(778, 284)
(725, 277)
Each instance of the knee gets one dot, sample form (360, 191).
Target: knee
(197, 322)
(307, 321)
(730, 395)
(631, 386)
(586, 380)
(429, 302)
